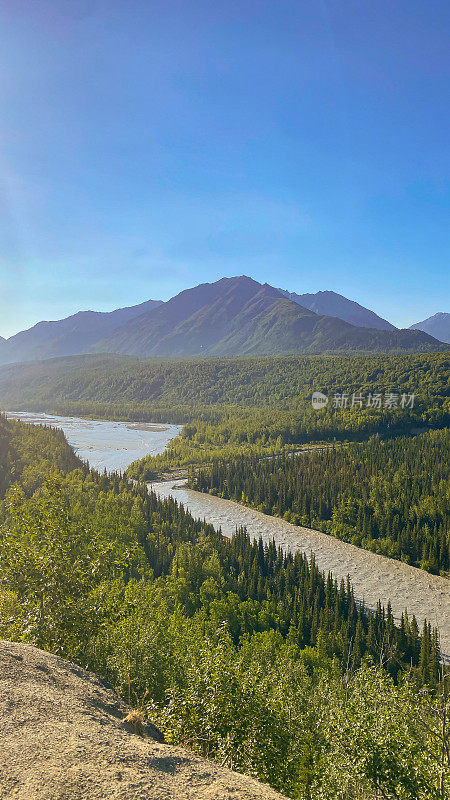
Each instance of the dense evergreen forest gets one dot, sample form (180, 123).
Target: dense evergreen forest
(234, 406)
(392, 497)
(238, 650)
(276, 381)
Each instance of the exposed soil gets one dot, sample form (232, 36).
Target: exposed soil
(63, 737)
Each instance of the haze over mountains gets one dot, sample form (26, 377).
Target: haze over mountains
(70, 336)
(438, 326)
(335, 305)
(233, 316)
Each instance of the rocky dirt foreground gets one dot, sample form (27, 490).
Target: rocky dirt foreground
(62, 735)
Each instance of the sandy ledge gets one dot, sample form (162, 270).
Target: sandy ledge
(62, 738)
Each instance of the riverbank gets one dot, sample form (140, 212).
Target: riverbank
(373, 577)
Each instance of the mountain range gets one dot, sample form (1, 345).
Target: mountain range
(232, 316)
(438, 326)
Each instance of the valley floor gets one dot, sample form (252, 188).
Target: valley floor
(373, 576)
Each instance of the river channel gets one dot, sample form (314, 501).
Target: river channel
(114, 445)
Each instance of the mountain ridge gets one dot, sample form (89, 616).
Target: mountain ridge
(239, 316)
(72, 335)
(332, 304)
(438, 326)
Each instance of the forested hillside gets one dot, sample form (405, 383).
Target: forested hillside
(237, 406)
(31, 454)
(148, 385)
(239, 651)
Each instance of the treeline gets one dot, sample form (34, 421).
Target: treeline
(391, 496)
(233, 406)
(240, 651)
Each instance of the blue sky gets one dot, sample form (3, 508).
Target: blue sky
(149, 146)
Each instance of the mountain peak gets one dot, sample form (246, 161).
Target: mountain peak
(438, 316)
(70, 336)
(333, 304)
(438, 326)
(239, 316)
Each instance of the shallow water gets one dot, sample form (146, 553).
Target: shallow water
(107, 445)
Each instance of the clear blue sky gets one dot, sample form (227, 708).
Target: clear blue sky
(149, 146)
